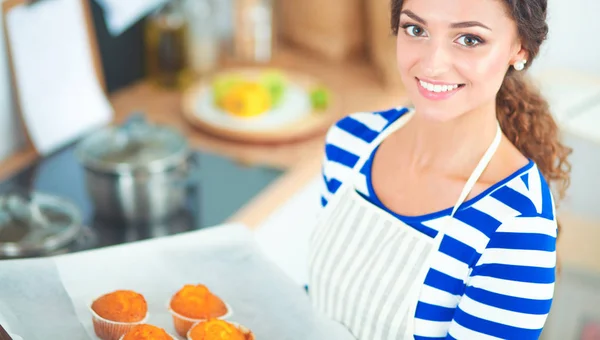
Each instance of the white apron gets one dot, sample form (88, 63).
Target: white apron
(366, 267)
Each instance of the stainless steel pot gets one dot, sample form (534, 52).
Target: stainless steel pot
(138, 172)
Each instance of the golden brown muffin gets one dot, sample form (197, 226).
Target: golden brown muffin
(194, 303)
(114, 314)
(121, 306)
(147, 332)
(197, 302)
(215, 329)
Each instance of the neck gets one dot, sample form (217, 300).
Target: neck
(453, 147)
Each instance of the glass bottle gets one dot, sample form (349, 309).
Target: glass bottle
(166, 46)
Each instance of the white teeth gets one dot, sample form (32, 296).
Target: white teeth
(438, 88)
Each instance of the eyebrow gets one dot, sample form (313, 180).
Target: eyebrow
(464, 24)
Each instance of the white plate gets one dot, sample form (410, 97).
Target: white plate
(294, 105)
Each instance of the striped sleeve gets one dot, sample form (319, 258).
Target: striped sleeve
(510, 290)
(348, 140)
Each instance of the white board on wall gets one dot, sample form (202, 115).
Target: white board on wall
(11, 133)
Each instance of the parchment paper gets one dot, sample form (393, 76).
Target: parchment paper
(46, 299)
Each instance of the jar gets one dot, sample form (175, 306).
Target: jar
(202, 37)
(253, 34)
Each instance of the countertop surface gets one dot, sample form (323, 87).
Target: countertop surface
(355, 84)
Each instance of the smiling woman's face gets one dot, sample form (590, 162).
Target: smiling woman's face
(453, 55)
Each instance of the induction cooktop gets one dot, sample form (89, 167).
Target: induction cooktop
(220, 186)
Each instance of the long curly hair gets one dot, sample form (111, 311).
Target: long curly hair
(523, 113)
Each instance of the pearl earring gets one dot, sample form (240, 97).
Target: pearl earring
(519, 65)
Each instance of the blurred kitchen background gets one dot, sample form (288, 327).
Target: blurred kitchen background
(71, 70)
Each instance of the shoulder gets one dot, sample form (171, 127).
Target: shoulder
(527, 195)
(523, 196)
(515, 217)
(365, 126)
(526, 235)
(348, 140)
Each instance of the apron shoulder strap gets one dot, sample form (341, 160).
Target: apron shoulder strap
(479, 169)
(483, 163)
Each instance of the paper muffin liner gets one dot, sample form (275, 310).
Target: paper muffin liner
(112, 330)
(169, 334)
(183, 323)
(247, 332)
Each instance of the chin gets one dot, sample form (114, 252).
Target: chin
(437, 111)
(435, 114)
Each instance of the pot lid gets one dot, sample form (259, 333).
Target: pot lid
(36, 224)
(135, 145)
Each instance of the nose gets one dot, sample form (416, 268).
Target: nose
(436, 61)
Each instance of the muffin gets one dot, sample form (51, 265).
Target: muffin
(146, 332)
(215, 329)
(114, 314)
(194, 303)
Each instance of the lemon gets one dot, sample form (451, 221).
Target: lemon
(246, 99)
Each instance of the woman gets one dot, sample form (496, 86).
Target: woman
(439, 221)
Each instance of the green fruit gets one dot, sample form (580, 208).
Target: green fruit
(319, 98)
(275, 83)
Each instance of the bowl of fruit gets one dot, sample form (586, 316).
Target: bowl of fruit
(260, 105)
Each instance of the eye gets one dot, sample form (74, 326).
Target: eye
(469, 40)
(414, 30)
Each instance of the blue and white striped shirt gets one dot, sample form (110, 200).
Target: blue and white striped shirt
(493, 276)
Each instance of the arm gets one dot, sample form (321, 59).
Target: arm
(510, 289)
(340, 154)
(324, 190)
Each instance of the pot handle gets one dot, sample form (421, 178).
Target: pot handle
(189, 181)
(133, 119)
(135, 126)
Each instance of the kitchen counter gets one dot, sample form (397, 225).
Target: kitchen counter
(354, 83)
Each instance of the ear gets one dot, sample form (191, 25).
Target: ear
(519, 55)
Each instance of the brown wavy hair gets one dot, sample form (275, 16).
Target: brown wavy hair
(523, 113)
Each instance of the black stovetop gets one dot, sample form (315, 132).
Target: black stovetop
(222, 187)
